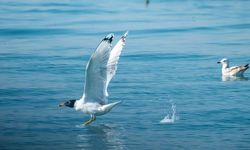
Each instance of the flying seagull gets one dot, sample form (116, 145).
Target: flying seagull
(100, 70)
(232, 71)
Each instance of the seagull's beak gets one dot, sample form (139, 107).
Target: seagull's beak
(61, 105)
(218, 62)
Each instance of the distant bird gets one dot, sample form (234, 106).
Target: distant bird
(237, 71)
(100, 70)
(147, 2)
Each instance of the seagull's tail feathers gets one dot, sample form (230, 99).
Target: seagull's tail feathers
(109, 106)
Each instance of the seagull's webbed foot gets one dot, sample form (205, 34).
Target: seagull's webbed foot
(92, 118)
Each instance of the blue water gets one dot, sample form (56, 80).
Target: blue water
(169, 60)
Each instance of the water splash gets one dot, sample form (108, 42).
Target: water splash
(171, 117)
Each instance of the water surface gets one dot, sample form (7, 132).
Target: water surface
(169, 59)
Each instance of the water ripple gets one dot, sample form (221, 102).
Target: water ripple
(34, 32)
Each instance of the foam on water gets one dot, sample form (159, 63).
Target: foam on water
(170, 117)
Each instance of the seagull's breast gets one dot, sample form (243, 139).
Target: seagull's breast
(97, 109)
(92, 108)
(79, 104)
(225, 71)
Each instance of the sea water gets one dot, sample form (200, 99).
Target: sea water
(170, 54)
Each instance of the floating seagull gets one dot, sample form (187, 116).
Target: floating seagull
(232, 71)
(99, 71)
(234, 78)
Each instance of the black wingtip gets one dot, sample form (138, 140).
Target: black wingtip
(247, 65)
(109, 37)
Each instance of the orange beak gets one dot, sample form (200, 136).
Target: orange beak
(61, 105)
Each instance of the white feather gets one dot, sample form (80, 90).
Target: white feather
(113, 60)
(100, 70)
(96, 73)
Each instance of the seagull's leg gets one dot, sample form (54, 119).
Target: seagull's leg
(87, 122)
(92, 118)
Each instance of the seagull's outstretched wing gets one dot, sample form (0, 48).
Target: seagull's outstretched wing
(113, 60)
(96, 72)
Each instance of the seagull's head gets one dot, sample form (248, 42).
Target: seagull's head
(69, 103)
(223, 61)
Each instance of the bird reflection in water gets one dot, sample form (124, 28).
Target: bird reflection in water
(147, 2)
(234, 78)
(101, 137)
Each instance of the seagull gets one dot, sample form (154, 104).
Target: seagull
(237, 71)
(100, 70)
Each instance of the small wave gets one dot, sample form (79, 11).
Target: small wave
(174, 30)
(171, 117)
(34, 31)
(80, 126)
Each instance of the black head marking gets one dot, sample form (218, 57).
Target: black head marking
(70, 103)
